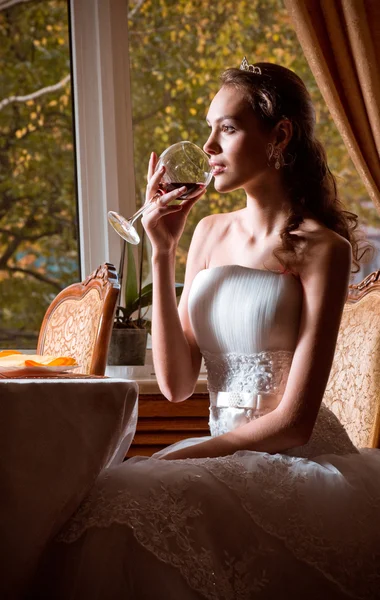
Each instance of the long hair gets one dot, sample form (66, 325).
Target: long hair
(279, 93)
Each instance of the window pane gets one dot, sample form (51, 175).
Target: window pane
(178, 49)
(38, 212)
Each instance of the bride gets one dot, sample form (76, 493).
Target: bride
(277, 503)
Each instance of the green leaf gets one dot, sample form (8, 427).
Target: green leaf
(147, 297)
(131, 291)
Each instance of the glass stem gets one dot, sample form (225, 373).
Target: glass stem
(141, 210)
(137, 214)
(121, 271)
(141, 274)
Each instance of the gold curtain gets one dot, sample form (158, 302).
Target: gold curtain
(341, 42)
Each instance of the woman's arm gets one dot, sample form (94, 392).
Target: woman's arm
(324, 277)
(176, 355)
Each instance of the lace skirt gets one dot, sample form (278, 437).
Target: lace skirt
(251, 525)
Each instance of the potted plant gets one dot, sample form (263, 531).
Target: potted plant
(131, 328)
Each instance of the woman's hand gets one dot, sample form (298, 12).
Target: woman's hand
(164, 224)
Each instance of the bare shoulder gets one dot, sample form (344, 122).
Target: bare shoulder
(322, 248)
(210, 230)
(205, 237)
(202, 241)
(215, 222)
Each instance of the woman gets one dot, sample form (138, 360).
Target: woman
(277, 503)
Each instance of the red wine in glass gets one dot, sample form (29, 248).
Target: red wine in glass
(192, 189)
(183, 161)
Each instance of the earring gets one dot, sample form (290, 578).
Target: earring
(276, 153)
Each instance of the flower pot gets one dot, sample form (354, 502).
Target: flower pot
(127, 347)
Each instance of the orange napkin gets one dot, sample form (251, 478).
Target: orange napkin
(13, 358)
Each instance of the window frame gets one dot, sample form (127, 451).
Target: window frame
(103, 125)
(103, 134)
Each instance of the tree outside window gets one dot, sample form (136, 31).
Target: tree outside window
(38, 210)
(178, 48)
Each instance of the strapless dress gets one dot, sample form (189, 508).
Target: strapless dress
(302, 524)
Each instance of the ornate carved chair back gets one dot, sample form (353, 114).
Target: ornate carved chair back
(353, 389)
(78, 323)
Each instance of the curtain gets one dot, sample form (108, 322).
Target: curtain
(341, 42)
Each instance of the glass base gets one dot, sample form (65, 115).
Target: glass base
(123, 227)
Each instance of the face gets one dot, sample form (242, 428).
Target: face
(237, 144)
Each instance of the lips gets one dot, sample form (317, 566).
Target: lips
(217, 168)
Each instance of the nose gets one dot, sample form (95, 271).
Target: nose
(211, 146)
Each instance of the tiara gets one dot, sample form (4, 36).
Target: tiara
(245, 66)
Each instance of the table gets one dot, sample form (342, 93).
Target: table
(56, 435)
(160, 422)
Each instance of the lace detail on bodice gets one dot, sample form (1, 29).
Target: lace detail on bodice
(265, 372)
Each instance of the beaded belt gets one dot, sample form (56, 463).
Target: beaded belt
(261, 402)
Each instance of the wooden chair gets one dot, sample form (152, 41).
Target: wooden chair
(353, 389)
(78, 323)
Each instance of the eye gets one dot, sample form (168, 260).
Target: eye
(227, 129)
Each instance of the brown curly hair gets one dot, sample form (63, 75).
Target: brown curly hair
(279, 93)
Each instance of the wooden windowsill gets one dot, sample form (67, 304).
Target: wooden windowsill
(146, 379)
(150, 386)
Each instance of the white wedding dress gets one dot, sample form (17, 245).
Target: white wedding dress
(299, 525)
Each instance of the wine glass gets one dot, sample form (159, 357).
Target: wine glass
(185, 165)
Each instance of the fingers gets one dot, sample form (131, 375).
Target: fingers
(153, 183)
(170, 196)
(153, 178)
(155, 212)
(162, 211)
(187, 205)
(164, 200)
(152, 165)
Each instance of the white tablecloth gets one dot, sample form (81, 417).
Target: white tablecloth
(56, 435)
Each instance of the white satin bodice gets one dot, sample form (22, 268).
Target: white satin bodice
(246, 324)
(247, 311)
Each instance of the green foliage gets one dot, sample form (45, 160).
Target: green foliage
(38, 223)
(124, 314)
(21, 315)
(131, 291)
(136, 300)
(178, 50)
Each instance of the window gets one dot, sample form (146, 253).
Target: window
(39, 253)
(178, 48)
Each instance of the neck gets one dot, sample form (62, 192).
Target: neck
(267, 208)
